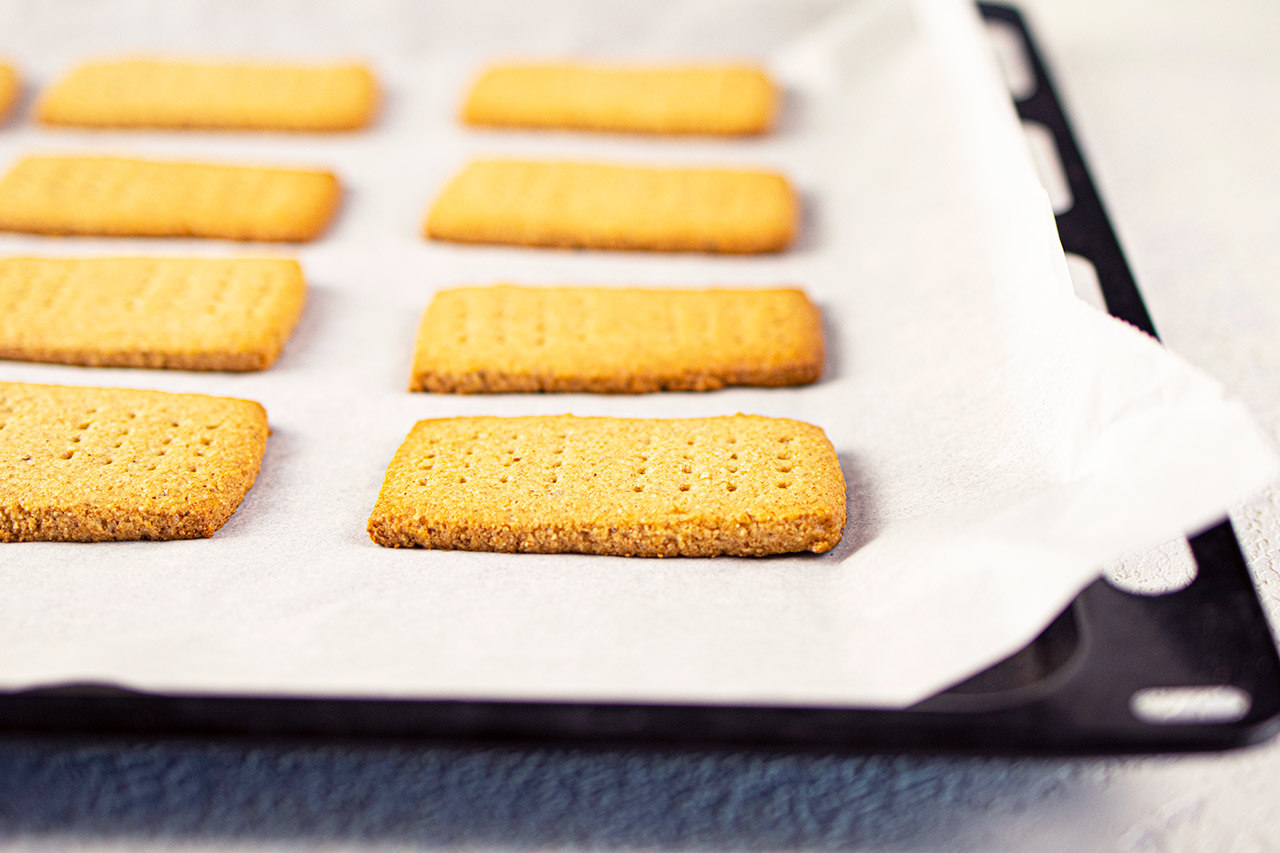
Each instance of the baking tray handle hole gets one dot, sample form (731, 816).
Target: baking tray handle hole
(1011, 55)
(1049, 167)
(1084, 280)
(1173, 706)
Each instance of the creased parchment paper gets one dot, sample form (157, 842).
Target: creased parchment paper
(1000, 438)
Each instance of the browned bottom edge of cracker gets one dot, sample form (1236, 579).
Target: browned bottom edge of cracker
(505, 339)
(742, 485)
(101, 464)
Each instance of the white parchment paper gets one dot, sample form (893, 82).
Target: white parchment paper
(1000, 439)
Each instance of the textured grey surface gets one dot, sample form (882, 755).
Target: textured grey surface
(1170, 99)
(215, 794)
(108, 796)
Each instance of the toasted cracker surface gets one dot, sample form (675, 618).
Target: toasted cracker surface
(126, 197)
(603, 206)
(728, 100)
(188, 313)
(99, 464)
(615, 340)
(742, 485)
(172, 93)
(10, 87)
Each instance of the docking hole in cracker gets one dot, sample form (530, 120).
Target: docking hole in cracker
(699, 487)
(184, 313)
(615, 340)
(604, 206)
(100, 464)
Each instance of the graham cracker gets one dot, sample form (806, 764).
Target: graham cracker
(10, 88)
(100, 464)
(699, 487)
(723, 100)
(615, 340)
(154, 198)
(186, 313)
(176, 93)
(601, 206)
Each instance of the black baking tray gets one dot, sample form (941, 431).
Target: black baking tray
(1070, 691)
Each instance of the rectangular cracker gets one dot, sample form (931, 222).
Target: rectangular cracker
(173, 93)
(725, 100)
(599, 206)
(155, 198)
(187, 313)
(10, 87)
(615, 340)
(698, 487)
(100, 464)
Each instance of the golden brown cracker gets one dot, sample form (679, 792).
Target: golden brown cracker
(187, 313)
(175, 93)
(10, 88)
(742, 485)
(724, 100)
(600, 206)
(157, 198)
(99, 464)
(615, 340)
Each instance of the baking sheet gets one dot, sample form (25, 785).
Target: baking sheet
(1000, 439)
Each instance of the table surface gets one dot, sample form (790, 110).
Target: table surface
(1173, 101)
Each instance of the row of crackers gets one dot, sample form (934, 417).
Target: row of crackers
(529, 203)
(730, 100)
(740, 485)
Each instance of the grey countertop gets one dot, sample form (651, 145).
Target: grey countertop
(1174, 102)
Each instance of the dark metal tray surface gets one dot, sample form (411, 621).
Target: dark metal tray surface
(1069, 692)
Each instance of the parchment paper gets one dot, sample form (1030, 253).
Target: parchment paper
(999, 437)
